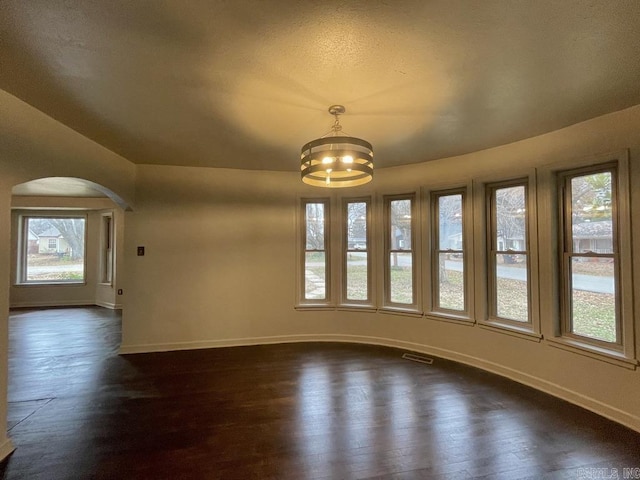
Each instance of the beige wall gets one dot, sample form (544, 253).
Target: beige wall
(220, 267)
(5, 231)
(218, 258)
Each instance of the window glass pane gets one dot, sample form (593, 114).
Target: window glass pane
(55, 249)
(315, 273)
(357, 226)
(401, 277)
(593, 305)
(314, 219)
(451, 281)
(511, 287)
(510, 213)
(357, 276)
(450, 222)
(400, 216)
(107, 250)
(591, 222)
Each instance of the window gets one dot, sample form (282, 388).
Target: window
(448, 275)
(107, 249)
(316, 253)
(52, 250)
(357, 252)
(508, 262)
(400, 274)
(590, 301)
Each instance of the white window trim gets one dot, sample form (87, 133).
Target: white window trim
(107, 248)
(23, 245)
(387, 306)
(550, 281)
(430, 262)
(345, 303)
(302, 302)
(481, 234)
(565, 326)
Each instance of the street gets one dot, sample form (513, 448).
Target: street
(588, 283)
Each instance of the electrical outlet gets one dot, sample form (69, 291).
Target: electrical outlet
(141, 251)
(119, 291)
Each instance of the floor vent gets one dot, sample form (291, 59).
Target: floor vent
(417, 358)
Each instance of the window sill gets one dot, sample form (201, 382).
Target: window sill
(50, 284)
(512, 330)
(314, 307)
(592, 351)
(460, 320)
(400, 311)
(357, 308)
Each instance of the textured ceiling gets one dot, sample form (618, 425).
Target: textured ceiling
(244, 84)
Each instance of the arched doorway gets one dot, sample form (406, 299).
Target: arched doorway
(48, 268)
(66, 232)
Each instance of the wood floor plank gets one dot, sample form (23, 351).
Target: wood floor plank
(290, 411)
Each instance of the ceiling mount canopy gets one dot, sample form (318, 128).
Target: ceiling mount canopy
(336, 160)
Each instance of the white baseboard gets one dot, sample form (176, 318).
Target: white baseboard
(596, 406)
(5, 449)
(74, 303)
(232, 342)
(112, 306)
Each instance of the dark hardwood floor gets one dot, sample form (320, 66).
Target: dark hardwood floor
(293, 411)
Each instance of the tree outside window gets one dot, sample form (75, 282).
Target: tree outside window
(400, 274)
(54, 250)
(448, 255)
(315, 251)
(509, 257)
(356, 254)
(589, 268)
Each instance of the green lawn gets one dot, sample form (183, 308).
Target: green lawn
(593, 313)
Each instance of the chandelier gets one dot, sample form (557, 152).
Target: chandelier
(336, 160)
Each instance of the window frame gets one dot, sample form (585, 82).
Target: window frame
(387, 304)
(482, 232)
(624, 355)
(107, 257)
(23, 246)
(566, 253)
(432, 277)
(326, 302)
(345, 250)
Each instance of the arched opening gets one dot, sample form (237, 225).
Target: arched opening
(66, 240)
(66, 245)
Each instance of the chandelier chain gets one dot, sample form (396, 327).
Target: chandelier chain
(336, 124)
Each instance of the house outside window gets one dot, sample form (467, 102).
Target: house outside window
(589, 264)
(52, 250)
(357, 284)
